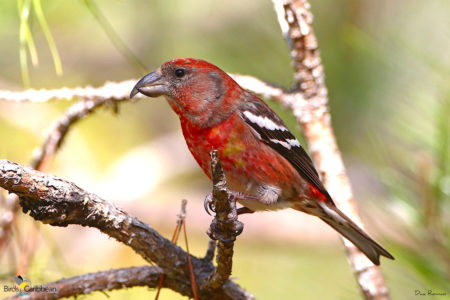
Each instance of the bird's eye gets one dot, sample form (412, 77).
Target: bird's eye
(179, 73)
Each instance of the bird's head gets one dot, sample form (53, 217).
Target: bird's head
(196, 90)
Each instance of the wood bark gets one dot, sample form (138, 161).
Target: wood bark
(57, 202)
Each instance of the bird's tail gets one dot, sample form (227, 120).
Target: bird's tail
(331, 215)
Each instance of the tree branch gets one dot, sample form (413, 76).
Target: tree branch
(120, 91)
(99, 281)
(224, 227)
(209, 255)
(57, 202)
(109, 91)
(295, 19)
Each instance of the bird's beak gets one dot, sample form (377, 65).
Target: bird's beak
(150, 85)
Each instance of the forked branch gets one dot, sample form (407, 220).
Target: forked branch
(57, 202)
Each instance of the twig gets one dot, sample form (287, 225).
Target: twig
(210, 251)
(176, 234)
(264, 89)
(191, 268)
(98, 281)
(57, 202)
(296, 23)
(224, 227)
(109, 91)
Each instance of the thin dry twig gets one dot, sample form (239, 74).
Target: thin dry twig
(57, 202)
(176, 234)
(295, 19)
(224, 227)
(191, 268)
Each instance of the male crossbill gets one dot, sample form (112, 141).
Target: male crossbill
(264, 163)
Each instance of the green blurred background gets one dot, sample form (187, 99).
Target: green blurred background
(387, 67)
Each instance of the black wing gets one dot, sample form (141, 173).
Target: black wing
(272, 131)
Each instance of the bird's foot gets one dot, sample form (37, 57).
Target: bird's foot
(225, 228)
(225, 231)
(209, 204)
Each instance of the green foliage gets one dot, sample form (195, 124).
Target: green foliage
(27, 41)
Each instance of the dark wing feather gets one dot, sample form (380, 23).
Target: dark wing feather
(280, 139)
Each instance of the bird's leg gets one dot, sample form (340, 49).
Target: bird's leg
(209, 204)
(244, 210)
(245, 197)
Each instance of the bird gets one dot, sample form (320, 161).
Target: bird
(265, 165)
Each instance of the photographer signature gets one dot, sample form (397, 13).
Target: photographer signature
(428, 293)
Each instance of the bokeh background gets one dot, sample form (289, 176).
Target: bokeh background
(387, 68)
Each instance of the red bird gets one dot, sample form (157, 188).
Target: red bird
(264, 163)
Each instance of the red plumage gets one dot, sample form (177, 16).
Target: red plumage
(261, 158)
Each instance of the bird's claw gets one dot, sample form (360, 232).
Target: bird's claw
(238, 227)
(215, 232)
(209, 204)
